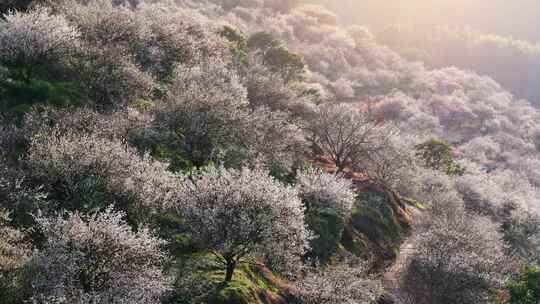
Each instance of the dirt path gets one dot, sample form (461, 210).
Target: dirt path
(390, 278)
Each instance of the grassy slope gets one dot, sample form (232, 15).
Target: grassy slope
(252, 284)
(379, 222)
(375, 230)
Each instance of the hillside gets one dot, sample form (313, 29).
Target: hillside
(513, 63)
(253, 152)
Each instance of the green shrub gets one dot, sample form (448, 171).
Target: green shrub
(377, 216)
(19, 97)
(238, 41)
(277, 57)
(328, 227)
(437, 155)
(526, 289)
(174, 230)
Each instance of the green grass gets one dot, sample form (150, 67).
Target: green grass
(377, 225)
(18, 97)
(143, 105)
(251, 284)
(418, 205)
(247, 287)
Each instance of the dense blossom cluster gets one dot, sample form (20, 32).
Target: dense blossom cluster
(91, 169)
(238, 213)
(325, 190)
(203, 99)
(97, 258)
(337, 286)
(14, 254)
(28, 40)
(457, 257)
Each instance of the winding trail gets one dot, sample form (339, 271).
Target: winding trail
(390, 278)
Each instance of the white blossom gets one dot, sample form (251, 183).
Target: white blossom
(28, 40)
(337, 286)
(236, 214)
(85, 163)
(326, 190)
(98, 258)
(456, 258)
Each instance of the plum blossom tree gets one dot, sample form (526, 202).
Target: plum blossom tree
(390, 165)
(111, 79)
(337, 286)
(127, 51)
(328, 199)
(457, 258)
(80, 120)
(236, 214)
(156, 37)
(97, 259)
(81, 171)
(206, 118)
(31, 40)
(319, 189)
(273, 139)
(267, 89)
(203, 113)
(19, 197)
(505, 197)
(14, 253)
(345, 134)
(430, 187)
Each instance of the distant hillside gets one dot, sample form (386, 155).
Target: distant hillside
(517, 19)
(513, 63)
(445, 33)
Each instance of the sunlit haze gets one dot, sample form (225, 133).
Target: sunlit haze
(517, 18)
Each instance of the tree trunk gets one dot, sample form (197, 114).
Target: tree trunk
(231, 265)
(340, 167)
